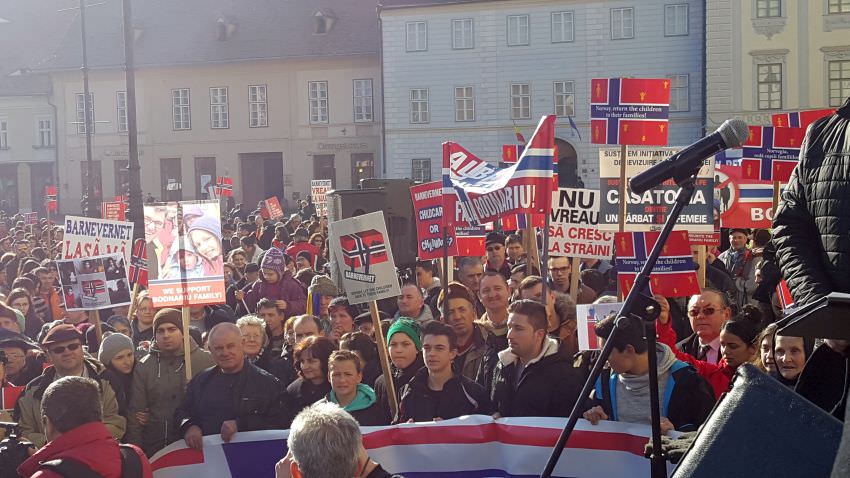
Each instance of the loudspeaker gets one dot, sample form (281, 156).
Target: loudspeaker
(762, 428)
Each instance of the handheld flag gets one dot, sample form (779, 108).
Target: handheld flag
(224, 186)
(50, 199)
(138, 272)
(630, 111)
(574, 127)
(799, 119)
(771, 153)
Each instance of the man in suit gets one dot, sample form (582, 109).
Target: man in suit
(707, 313)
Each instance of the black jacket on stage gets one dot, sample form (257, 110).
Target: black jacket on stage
(460, 396)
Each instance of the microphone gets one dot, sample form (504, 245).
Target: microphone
(731, 134)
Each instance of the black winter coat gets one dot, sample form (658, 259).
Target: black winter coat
(258, 399)
(813, 219)
(303, 393)
(400, 379)
(492, 347)
(371, 416)
(546, 388)
(460, 396)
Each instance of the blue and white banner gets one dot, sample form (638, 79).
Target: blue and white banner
(469, 447)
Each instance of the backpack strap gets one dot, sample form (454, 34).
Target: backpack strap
(69, 468)
(671, 384)
(131, 464)
(606, 390)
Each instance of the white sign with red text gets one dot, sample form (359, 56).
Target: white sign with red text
(573, 227)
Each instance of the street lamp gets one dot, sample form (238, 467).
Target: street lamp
(134, 212)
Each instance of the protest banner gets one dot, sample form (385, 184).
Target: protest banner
(94, 283)
(771, 153)
(476, 192)
(674, 275)
(587, 316)
(572, 228)
(428, 204)
(742, 202)
(192, 270)
(629, 111)
(273, 208)
(318, 194)
(87, 237)
(799, 119)
(474, 446)
(31, 218)
(648, 211)
(365, 259)
(113, 210)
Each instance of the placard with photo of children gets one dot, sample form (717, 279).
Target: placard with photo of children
(93, 283)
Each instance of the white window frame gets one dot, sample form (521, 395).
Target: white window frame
(317, 102)
(463, 34)
(419, 31)
(680, 93)
(768, 8)
(520, 101)
(258, 115)
(564, 98)
(770, 101)
(838, 7)
(836, 84)
(420, 110)
(181, 109)
(4, 133)
(626, 25)
(44, 132)
(679, 25)
(417, 168)
(518, 30)
(563, 27)
(464, 103)
(121, 111)
(80, 107)
(364, 105)
(219, 107)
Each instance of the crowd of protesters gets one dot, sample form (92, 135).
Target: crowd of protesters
(488, 342)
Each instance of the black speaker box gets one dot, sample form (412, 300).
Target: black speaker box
(762, 428)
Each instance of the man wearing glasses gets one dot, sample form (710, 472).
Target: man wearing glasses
(707, 313)
(64, 346)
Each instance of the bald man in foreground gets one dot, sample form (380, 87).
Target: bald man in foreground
(231, 397)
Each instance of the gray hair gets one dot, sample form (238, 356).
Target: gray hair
(325, 441)
(468, 261)
(251, 320)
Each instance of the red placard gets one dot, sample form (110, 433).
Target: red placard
(630, 111)
(674, 275)
(273, 209)
(113, 210)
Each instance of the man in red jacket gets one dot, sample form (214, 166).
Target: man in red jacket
(71, 411)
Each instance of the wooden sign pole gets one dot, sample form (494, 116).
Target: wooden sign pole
(384, 356)
(94, 318)
(623, 203)
(777, 188)
(575, 278)
(132, 309)
(702, 254)
(187, 362)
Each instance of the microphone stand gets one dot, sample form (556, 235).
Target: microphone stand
(637, 306)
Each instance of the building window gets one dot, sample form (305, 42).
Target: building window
(417, 36)
(562, 27)
(4, 134)
(121, 110)
(839, 6)
(45, 133)
(420, 170)
(462, 34)
(259, 106)
(770, 86)
(517, 30)
(676, 20)
(520, 101)
(622, 23)
(680, 98)
(363, 107)
(464, 104)
(564, 92)
(219, 110)
(419, 106)
(318, 99)
(81, 115)
(839, 82)
(180, 110)
(768, 8)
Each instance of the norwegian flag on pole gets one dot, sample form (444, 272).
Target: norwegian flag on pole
(138, 272)
(771, 153)
(784, 294)
(50, 199)
(224, 186)
(799, 119)
(630, 111)
(674, 275)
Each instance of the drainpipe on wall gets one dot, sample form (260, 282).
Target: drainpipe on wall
(54, 177)
(383, 96)
(704, 67)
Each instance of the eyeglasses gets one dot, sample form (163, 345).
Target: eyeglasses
(705, 311)
(62, 349)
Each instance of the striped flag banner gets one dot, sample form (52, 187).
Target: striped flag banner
(469, 447)
(799, 119)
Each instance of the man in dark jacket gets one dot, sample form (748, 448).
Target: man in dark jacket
(233, 396)
(436, 391)
(533, 378)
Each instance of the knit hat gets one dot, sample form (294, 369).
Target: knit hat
(168, 316)
(409, 327)
(112, 345)
(273, 259)
(456, 290)
(207, 223)
(323, 285)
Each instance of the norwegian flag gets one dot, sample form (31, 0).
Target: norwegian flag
(50, 199)
(674, 275)
(224, 186)
(784, 294)
(363, 249)
(799, 119)
(9, 396)
(91, 288)
(630, 111)
(771, 153)
(138, 272)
